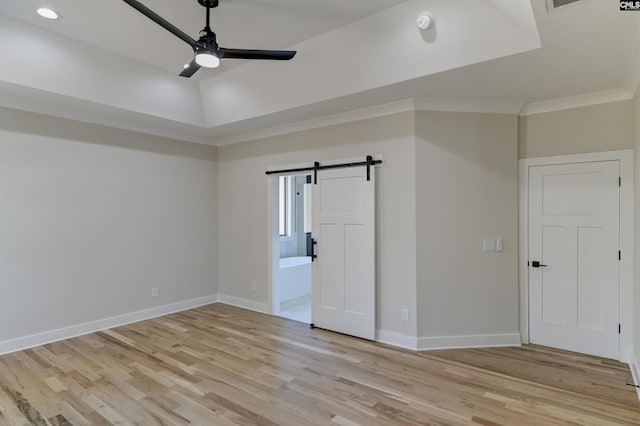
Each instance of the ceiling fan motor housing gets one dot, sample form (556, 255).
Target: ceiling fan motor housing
(208, 43)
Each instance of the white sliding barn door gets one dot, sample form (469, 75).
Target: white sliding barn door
(574, 277)
(344, 271)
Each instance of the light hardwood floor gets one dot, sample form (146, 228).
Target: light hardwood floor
(221, 365)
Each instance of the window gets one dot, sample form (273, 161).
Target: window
(285, 206)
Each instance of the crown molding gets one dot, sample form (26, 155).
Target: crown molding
(314, 123)
(37, 101)
(578, 101)
(632, 73)
(469, 105)
(419, 104)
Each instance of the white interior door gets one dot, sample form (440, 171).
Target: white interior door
(343, 225)
(574, 226)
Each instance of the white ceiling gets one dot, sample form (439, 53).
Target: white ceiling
(104, 62)
(250, 24)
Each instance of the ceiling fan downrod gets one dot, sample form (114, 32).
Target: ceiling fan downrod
(208, 4)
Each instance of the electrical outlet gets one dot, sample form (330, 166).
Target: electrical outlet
(253, 286)
(154, 291)
(404, 315)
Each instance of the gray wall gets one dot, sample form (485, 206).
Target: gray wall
(594, 128)
(243, 227)
(466, 190)
(96, 216)
(92, 217)
(448, 181)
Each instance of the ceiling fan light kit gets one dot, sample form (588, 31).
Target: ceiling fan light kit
(207, 59)
(207, 53)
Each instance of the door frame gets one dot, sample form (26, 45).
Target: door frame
(273, 239)
(272, 219)
(273, 245)
(625, 157)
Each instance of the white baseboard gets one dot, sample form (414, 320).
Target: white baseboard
(447, 342)
(382, 336)
(51, 336)
(251, 305)
(473, 341)
(397, 339)
(635, 371)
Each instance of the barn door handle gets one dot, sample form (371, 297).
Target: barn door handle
(537, 264)
(314, 256)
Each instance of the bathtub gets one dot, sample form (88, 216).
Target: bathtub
(295, 277)
(291, 262)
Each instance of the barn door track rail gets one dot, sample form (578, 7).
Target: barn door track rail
(317, 166)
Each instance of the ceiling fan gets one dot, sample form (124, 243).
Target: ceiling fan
(206, 51)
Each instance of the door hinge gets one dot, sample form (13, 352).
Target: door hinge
(619, 180)
(619, 254)
(619, 329)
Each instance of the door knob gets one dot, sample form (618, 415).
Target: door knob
(537, 264)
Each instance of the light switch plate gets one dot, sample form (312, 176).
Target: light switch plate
(489, 244)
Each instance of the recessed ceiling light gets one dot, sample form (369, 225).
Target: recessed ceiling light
(47, 13)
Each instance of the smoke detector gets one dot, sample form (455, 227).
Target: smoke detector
(425, 21)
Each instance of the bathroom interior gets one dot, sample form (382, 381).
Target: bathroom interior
(293, 278)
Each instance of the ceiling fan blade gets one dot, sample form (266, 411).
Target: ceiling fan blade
(191, 69)
(162, 22)
(279, 55)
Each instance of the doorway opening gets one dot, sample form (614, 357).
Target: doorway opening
(340, 212)
(291, 271)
